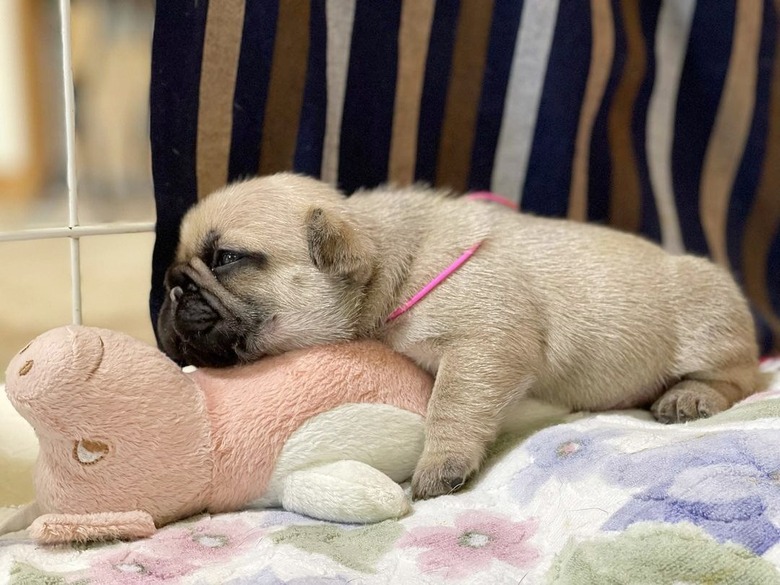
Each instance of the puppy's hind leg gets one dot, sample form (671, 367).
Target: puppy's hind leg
(465, 413)
(717, 356)
(703, 394)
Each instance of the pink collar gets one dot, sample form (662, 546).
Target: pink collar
(462, 259)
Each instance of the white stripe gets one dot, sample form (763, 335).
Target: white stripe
(671, 43)
(526, 82)
(70, 152)
(340, 16)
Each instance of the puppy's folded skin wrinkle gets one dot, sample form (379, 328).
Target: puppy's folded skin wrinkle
(198, 316)
(547, 310)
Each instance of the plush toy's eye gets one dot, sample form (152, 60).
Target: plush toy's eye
(225, 257)
(88, 451)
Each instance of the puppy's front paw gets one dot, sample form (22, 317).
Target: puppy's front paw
(688, 400)
(437, 476)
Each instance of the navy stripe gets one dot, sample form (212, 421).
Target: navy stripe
(600, 163)
(746, 182)
(254, 72)
(701, 85)
(503, 35)
(311, 131)
(773, 269)
(547, 184)
(367, 122)
(764, 335)
(177, 51)
(650, 224)
(434, 94)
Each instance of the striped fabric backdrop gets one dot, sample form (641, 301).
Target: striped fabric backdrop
(661, 118)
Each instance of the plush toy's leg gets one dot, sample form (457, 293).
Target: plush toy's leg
(344, 491)
(62, 528)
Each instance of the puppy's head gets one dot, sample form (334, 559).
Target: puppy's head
(264, 266)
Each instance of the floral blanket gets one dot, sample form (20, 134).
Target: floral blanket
(611, 498)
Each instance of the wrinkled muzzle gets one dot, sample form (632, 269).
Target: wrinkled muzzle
(195, 325)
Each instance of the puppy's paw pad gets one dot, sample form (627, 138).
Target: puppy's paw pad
(432, 480)
(687, 404)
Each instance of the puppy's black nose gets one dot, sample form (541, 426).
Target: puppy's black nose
(177, 278)
(192, 312)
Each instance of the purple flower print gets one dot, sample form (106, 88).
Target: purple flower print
(563, 453)
(472, 544)
(726, 483)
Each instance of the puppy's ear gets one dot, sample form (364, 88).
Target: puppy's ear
(337, 246)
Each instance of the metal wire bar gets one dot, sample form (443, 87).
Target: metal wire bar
(77, 231)
(70, 153)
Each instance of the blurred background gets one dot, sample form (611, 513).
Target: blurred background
(111, 52)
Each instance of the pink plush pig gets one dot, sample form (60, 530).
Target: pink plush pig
(129, 442)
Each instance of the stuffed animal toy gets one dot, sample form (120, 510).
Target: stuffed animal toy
(129, 441)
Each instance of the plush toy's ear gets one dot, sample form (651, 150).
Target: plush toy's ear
(336, 246)
(64, 528)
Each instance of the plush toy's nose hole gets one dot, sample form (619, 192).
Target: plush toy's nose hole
(25, 369)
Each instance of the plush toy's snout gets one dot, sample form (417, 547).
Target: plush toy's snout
(51, 363)
(117, 422)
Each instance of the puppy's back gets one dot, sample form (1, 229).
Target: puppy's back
(619, 312)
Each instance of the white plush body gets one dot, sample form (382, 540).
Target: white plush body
(344, 464)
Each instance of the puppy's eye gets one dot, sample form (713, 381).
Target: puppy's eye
(224, 257)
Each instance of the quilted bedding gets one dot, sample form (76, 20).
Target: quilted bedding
(610, 498)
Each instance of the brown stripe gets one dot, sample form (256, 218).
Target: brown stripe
(221, 47)
(732, 126)
(625, 195)
(285, 89)
(602, 53)
(463, 93)
(763, 221)
(416, 19)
